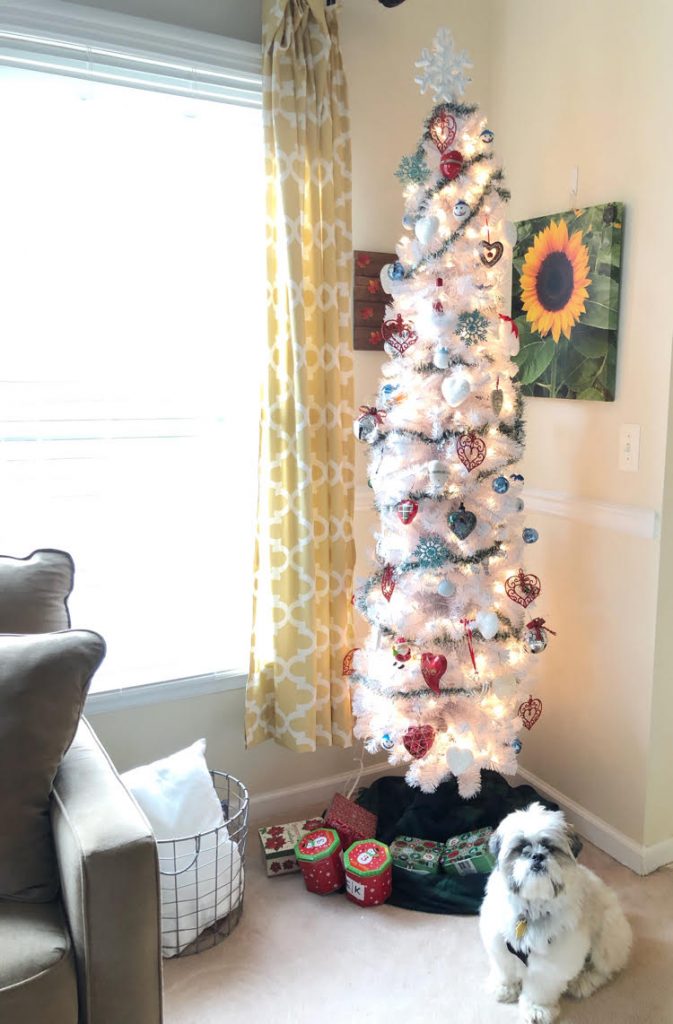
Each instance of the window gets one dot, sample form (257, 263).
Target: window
(132, 326)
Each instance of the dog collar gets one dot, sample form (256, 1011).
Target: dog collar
(523, 957)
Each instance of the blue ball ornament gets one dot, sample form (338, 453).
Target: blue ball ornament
(530, 535)
(516, 746)
(408, 221)
(396, 271)
(500, 485)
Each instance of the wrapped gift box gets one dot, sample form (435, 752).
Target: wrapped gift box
(351, 821)
(369, 873)
(468, 854)
(421, 855)
(320, 860)
(279, 841)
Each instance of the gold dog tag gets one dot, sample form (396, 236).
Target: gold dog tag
(521, 928)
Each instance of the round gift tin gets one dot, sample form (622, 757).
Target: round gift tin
(369, 873)
(319, 857)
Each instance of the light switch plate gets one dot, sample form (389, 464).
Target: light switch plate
(629, 447)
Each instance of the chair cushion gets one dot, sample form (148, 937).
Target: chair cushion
(38, 980)
(34, 592)
(43, 684)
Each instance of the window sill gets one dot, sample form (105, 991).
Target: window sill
(160, 693)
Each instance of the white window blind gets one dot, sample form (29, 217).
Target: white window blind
(132, 326)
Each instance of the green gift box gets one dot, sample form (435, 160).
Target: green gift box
(421, 855)
(468, 854)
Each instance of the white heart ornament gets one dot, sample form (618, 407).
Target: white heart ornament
(425, 229)
(459, 759)
(504, 686)
(508, 339)
(487, 624)
(455, 389)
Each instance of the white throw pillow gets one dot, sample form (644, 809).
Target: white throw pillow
(201, 878)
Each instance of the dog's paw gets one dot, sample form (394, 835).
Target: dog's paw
(533, 1014)
(504, 991)
(507, 992)
(584, 984)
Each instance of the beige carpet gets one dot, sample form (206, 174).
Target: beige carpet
(302, 959)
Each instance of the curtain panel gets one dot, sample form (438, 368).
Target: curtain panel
(304, 548)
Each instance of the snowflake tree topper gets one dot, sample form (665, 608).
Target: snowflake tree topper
(444, 69)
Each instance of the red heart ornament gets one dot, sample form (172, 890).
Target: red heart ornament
(347, 668)
(523, 588)
(491, 253)
(433, 667)
(388, 582)
(471, 451)
(418, 740)
(530, 711)
(451, 164)
(443, 129)
(407, 510)
(399, 334)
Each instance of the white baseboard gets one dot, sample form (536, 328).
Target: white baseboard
(290, 803)
(641, 859)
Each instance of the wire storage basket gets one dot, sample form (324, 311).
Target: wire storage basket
(203, 876)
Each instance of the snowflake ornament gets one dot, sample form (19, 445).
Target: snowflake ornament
(431, 552)
(472, 327)
(413, 169)
(444, 69)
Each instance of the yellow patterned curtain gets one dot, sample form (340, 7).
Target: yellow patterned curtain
(304, 551)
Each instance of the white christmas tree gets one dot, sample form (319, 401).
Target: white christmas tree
(442, 683)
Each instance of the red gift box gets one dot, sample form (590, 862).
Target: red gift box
(351, 821)
(369, 873)
(319, 857)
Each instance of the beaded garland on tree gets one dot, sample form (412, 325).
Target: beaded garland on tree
(442, 684)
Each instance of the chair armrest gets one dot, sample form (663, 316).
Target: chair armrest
(109, 872)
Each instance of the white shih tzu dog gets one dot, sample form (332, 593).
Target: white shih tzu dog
(550, 926)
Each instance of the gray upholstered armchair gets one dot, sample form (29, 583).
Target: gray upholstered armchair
(93, 954)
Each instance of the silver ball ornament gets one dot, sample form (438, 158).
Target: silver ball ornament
(365, 428)
(534, 642)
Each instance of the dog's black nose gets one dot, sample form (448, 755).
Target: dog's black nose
(538, 859)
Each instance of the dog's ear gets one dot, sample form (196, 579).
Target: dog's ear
(574, 840)
(494, 843)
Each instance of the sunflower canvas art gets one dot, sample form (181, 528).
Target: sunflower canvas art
(565, 302)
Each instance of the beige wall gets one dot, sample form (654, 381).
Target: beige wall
(135, 735)
(584, 84)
